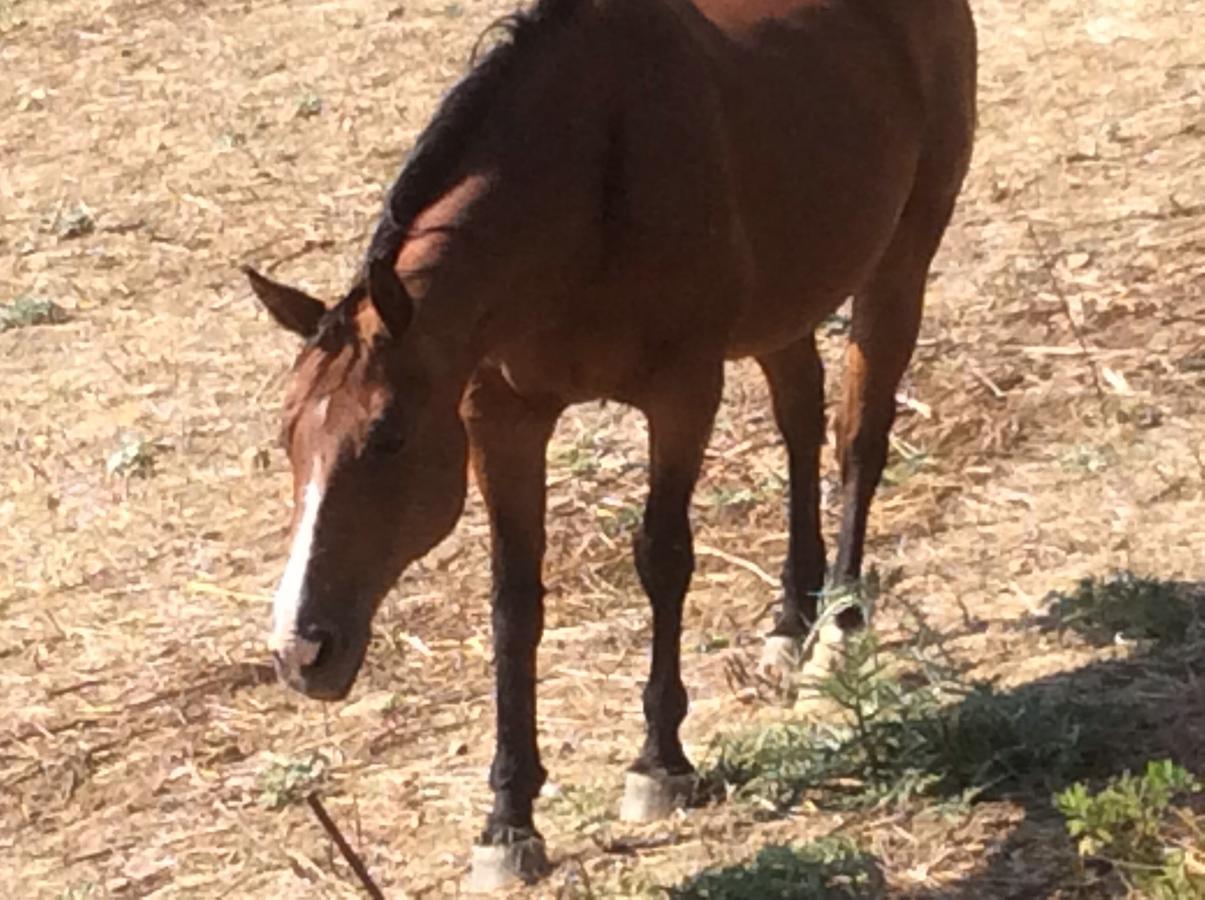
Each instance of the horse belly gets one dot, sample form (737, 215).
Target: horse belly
(824, 139)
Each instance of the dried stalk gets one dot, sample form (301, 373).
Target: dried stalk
(353, 859)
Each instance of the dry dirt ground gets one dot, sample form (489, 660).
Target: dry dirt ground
(148, 147)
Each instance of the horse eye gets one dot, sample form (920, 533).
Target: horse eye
(385, 441)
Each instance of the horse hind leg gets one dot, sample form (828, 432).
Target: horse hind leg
(886, 323)
(795, 375)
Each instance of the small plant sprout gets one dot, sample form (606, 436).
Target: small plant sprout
(309, 106)
(26, 311)
(76, 222)
(287, 780)
(133, 458)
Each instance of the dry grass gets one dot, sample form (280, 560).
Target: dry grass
(149, 146)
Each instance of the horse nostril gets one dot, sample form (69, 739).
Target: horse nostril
(325, 642)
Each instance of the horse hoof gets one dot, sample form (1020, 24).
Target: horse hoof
(827, 652)
(780, 655)
(648, 798)
(506, 865)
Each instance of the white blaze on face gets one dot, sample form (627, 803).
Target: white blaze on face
(291, 648)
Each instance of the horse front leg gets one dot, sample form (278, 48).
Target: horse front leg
(680, 412)
(509, 437)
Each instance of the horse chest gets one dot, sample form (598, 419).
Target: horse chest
(607, 361)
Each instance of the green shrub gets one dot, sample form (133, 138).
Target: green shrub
(1129, 606)
(909, 727)
(831, 867)
(1133, 825)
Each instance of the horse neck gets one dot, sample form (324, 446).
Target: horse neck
(520, 227)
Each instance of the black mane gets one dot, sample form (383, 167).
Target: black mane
(431, 165)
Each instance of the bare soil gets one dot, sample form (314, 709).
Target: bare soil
(1052, 428)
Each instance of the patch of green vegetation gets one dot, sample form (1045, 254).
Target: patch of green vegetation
(133, 458)
(726, 496)
(309, 105)
(288, 780)
(1134, 825)
(905, 463)
(908, 726)
(712, 643)
(580, 460)
(26, 311)
(76, 222)
(738, 496)
(587, 809)
(831, 867)
(82, 892)
(228, 140)
(619, 522)
(1088, 458)
(1128, 606)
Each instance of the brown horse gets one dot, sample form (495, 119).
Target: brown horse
(619, 197)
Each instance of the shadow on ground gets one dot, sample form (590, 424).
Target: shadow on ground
(1110, 717)
(826, 868)
(904, 740)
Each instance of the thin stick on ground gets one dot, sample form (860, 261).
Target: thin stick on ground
(353, 859)
(1053, 278)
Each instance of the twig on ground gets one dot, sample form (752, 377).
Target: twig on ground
(353, 859)
(1052, 277)
(748, 565)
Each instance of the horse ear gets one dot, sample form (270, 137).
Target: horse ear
(295, 310)
(389, 296)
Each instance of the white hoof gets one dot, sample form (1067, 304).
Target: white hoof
(780, 656)
(649, 799)
(825, 655)
(504, 866)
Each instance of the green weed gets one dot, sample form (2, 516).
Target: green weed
(836, 324)
(1133, 825)
(580, 461)
(26, 311)
(587, 809)
(906, 462)
(309, 105)
(908, 726)
(619, 522)
(133, 458)
(1088, 458)
(289, 780)
(76, 222)
(1128, 606)
(82, 892)
(831, 867)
